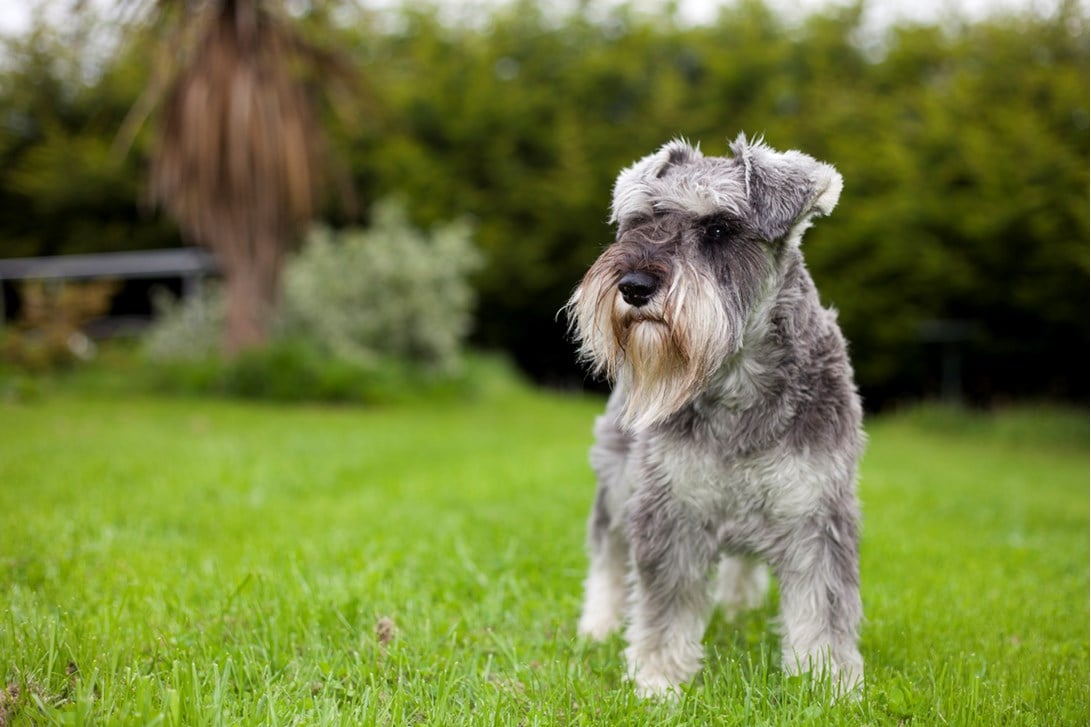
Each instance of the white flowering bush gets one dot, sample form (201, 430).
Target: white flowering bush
(387, 291)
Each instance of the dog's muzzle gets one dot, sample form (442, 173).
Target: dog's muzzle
(637, 288)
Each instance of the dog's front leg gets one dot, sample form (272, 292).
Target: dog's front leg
(672, 553)
(820, 601)
(604, 589)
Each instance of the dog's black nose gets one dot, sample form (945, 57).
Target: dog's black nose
(637, 288)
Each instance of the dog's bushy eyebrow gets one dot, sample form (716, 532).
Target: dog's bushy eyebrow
(722, 218)
(637, 220)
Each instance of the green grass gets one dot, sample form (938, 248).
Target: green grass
(182, 561)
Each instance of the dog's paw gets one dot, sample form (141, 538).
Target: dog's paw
(849, 681)
(658, 689)
(649, 684)
(845, 675)
(603, 607)
(597, 625)
(660, 676)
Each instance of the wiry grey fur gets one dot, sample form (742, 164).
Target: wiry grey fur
(733, 431)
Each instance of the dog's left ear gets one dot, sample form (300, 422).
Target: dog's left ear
(785, 189)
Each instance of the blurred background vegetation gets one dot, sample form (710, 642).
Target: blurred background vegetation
(961, 239)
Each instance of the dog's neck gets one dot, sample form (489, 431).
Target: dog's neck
(755, 376)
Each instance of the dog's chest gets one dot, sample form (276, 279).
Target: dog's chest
(774, 484)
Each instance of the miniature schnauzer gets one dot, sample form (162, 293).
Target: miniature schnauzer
(732, 435)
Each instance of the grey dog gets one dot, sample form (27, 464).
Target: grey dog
(731, 439)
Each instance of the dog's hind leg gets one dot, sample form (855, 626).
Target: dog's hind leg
(740, 585)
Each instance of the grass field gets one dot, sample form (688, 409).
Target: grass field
(182, 561)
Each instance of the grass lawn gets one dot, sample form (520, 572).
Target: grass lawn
(185, 561)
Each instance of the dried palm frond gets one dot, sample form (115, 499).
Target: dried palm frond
(239, 148)
(240, 152)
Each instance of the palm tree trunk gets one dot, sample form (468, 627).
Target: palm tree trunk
(252, 284)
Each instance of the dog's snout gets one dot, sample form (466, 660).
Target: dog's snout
(637, 288)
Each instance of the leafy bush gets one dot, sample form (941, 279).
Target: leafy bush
(48, 336)
(185, 330)
(296, 371)
(390, 291)
(293, 370)
(366, 316)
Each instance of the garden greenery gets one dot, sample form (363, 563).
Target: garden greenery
(388, 291)
(365, 314)
(963, 144)
(186, 329)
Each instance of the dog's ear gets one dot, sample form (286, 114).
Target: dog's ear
(785, 190)
(631, 190)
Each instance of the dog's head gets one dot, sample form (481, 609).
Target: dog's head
(698, 242)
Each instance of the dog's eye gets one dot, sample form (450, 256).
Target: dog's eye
(717, 232)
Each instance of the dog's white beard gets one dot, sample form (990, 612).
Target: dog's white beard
(660, 356)
(655, 376)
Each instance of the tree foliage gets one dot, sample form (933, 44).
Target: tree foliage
(964, 149)
(61, 189)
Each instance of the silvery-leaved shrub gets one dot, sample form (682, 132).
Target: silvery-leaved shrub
(190, 329)
(389, 291)
(365, 297)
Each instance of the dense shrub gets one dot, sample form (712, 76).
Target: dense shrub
(367, 316)
(296, 371)
(188, 330)
(48, 334)
(389, 291)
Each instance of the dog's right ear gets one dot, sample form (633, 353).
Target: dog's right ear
(632, 192)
